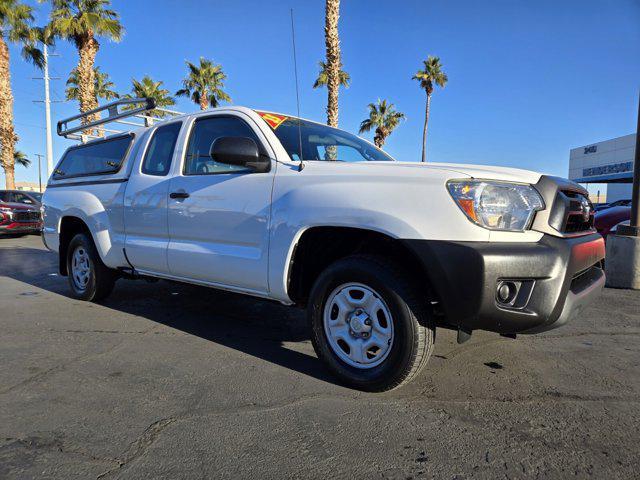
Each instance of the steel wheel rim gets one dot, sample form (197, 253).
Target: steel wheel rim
(80, 268)
(358, 325)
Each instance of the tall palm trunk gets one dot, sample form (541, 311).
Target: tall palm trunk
(204, 101)
(87, 50)
(424, 133)
(8, 137)
(380, 137)
(332, 42)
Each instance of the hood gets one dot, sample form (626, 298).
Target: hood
(487, 172)
(445, 171)
(613, 214)
(18, 206)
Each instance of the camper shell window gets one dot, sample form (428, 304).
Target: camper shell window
(95, 158)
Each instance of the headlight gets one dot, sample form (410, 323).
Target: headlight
(5, 214)
(497, 205)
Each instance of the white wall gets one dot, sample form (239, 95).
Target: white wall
(609, 152)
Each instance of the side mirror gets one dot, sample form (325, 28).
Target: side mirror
(239, 151)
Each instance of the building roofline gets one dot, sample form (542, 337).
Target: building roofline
(602, 141)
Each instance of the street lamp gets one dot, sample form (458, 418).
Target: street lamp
(39, 173)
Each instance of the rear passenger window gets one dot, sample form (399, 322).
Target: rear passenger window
(94, 158)
(157, 159)
(203, 134)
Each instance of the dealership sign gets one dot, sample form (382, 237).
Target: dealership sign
(608, 169)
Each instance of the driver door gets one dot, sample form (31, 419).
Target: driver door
(219, 214)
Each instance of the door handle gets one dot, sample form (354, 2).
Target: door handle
(178, 195)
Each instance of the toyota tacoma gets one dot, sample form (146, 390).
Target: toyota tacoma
(379, 252)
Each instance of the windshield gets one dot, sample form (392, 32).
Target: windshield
(320, 142)
(37, 196)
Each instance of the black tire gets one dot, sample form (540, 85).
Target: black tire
(101, 278)
(413, 328)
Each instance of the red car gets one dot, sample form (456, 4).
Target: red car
(606, 220)
(19, 219)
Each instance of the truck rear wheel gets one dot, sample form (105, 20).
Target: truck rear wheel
(89, 278)
(369, 324)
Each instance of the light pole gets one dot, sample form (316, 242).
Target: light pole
(47, 105)
(47, 112)
(39, 173)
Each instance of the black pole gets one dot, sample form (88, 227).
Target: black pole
(635, 195)
(632, 229)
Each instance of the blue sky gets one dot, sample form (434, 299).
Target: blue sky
(527, 80)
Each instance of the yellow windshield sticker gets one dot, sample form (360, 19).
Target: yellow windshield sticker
(273, 119)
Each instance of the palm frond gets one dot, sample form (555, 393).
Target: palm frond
(33, 54)
(323, 77)
(103, 86)
(20, 158)
(432, 74)
(149, 88)
(383, 118)
(205, 79)
(75, 19)
(16, 25)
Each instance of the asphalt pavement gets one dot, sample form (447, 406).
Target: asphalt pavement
(172, 381)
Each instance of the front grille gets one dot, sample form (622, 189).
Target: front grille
(572, 212)
(27, 216)
(568, 211)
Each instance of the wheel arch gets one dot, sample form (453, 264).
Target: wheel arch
(70, 226)
(315, 248)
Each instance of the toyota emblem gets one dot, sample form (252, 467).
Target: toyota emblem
(585, 207)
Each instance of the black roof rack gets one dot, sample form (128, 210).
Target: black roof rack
(137, 108)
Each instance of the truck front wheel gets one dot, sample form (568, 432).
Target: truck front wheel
(369, 324)
(89, 278)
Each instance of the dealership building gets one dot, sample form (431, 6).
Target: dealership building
(609, 162)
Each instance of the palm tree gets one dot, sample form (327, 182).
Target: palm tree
(323, 78)
(430, 76)
(148, 88)
(102, 85)
(334, 63)
(204, 84)
(384, 118)
(80, 21)
(20, 158)
(16, 21)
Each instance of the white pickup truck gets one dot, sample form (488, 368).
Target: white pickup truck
(380, 252)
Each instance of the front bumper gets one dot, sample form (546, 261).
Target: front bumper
(20, 227)
(558, 277)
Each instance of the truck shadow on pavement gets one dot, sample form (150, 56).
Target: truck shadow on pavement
(259, 328)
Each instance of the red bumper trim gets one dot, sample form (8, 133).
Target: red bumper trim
(21, 225)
